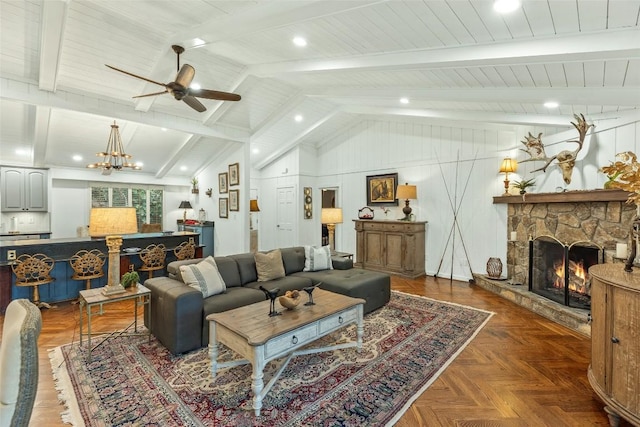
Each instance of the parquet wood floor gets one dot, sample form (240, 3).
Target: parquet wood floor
(521, 369)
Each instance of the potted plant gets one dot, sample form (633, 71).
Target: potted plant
(130, 278)
(524, 184)
(194, 184)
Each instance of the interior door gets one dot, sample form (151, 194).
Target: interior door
(286, 217)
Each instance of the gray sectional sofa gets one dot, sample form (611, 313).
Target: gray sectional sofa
(178, 312)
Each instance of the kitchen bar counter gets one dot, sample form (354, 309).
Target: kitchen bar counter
(61, 250)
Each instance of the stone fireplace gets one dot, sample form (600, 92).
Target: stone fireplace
(560, 231)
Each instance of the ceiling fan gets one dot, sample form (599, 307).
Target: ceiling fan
(180, 87)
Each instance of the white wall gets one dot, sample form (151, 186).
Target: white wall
(456, 171)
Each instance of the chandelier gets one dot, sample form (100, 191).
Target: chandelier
(114, 156)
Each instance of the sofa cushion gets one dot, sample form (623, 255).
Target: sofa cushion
(228, 269)
(246, 264)
(293, 259)
(204, 276)
(317, 258)
(269, 265)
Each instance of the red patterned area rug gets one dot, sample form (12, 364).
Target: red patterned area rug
(407, 344)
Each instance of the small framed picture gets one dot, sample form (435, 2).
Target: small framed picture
(381, 190)
(234, 202)
(223, 182)
(234, 174)
(223, 207)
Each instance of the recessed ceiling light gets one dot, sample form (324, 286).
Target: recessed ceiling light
(506, 6)
(22, 152)
(195, 86)
(197, 42)
(163, 129)
(298, 118)
(77, 157)
(183, 168)
(404, 100)
(551, 104)
(255, 151)
(300, 41)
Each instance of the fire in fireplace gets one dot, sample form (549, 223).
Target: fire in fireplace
(559, 272)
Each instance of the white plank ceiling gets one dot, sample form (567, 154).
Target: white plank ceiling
(454, 60)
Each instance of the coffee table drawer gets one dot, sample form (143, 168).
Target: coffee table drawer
(291, 340)
(337, 320)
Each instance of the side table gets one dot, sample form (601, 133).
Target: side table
(90, 298)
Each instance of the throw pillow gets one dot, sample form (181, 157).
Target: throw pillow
(316, 259)
(269, 266)
(204, 276)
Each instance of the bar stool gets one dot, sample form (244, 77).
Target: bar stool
(153, 257)
(87, 265)
(34, 270)
(185, 250)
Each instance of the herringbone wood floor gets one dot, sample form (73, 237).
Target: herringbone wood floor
(521, 369)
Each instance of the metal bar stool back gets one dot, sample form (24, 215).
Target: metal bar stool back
(33, 271)
(88, 265)
(153, 257)
(185, 250)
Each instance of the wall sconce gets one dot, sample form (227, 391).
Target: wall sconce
(209, 192)
(406, 192)
(508, 165)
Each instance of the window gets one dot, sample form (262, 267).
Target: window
(147, 200)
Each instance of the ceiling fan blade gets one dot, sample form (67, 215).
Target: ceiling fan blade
(136, 76)
(185, 75)
(194, 103)
(214, 94)
(151, 94)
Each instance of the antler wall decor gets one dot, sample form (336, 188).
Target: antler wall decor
(566, 158)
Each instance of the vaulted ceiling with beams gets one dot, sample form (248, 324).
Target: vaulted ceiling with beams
(454, 61)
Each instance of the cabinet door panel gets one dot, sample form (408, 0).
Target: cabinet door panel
(394, 251)
(599, 331)
(625, 377)
(36, 191)
(13, 190)
(373, 248)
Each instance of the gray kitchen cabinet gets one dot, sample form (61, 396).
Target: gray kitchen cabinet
(24, 189)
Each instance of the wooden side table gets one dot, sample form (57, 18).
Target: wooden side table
(90, 298)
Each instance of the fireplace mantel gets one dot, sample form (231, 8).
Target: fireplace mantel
(566, 197)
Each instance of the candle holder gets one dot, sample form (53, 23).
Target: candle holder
(271, 295)
(309, 291)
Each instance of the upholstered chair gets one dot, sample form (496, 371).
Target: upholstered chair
(19, 362)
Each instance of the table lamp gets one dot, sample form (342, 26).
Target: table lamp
(110, 223)
(331, 217)
(508, 165)
(406, 192)
(253, 207)
(185, 204)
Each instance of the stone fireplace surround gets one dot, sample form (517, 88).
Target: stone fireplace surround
(598, 216)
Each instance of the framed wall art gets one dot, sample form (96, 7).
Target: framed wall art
(234, 200)
(223, 182)
(234, 174)
(223, 207)
(307, 203)
(381, 189)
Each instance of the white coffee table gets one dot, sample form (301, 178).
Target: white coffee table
(250, 332)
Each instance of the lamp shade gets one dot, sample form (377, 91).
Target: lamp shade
(331, 216)
(508, 165)
(253, 205)
(185, 204)
(407, 192)
(109, 221)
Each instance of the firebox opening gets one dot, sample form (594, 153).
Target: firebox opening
(560, 273)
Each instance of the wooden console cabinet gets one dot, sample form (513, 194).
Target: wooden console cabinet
(396, 247)
(615, 341)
